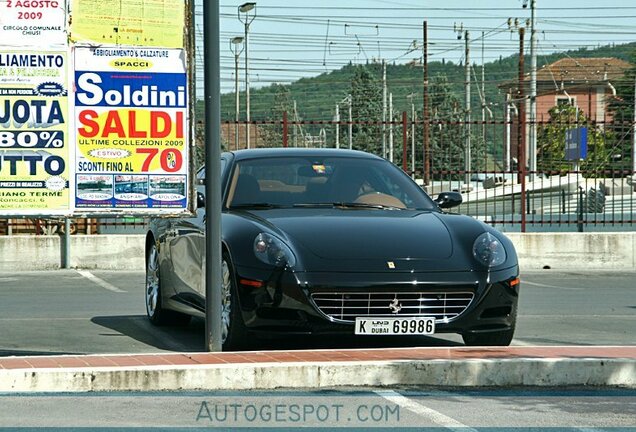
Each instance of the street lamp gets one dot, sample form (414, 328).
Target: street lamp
(245, 8)
(236, 46)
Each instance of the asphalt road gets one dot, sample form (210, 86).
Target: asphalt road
(414, 409)
(81, 312)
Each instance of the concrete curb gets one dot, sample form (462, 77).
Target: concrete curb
(267, 376)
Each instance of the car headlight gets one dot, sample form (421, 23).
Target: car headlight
(488, 250)
(273, 251)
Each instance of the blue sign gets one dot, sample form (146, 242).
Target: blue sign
(576, 143)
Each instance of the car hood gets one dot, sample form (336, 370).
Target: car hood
(367, 240)
(370, 235)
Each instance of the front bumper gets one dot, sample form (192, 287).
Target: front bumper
(284, 305)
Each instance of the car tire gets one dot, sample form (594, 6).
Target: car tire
(495, 338)
(233, 331)
(154, 302)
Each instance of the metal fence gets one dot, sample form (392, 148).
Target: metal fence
(479, 159)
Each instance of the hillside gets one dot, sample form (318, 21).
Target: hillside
(316, 96)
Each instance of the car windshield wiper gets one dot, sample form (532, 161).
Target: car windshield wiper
(345, 205)
(261, 205)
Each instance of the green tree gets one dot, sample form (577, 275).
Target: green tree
(448, 131)
(621, 108)
(272, 133)
(551, 141)
(366, 95)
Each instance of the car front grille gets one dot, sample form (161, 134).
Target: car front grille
(443, 306)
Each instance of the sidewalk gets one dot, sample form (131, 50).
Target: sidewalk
(454, 366)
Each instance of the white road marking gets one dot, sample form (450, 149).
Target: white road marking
(525, 282)
(419, 409)
(102, 283)
(521, 342)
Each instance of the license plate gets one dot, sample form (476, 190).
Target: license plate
(395, 326)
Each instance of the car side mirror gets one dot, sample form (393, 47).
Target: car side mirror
(200, 200)
(449, 199)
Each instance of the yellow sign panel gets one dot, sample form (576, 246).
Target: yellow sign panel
(151, 23)
(34, 145)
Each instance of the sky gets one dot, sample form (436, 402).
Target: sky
(289, 40)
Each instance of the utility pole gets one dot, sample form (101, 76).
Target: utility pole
(350, 99)
(384, 108)
(425, 153)
(467, 167)
(634, 138)
(234, 47)
(521, 131)
(245, 8)
(483, 90)
(295, 140)
(391, 127)
(410, 98)
(533, 91)
(508, 130)
(337, 125)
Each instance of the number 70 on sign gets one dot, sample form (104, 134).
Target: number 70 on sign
(170, 159)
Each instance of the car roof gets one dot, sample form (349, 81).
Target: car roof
(299, 152)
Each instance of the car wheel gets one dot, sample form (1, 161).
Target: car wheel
(154, 304)
(233, 331)
(496, 338)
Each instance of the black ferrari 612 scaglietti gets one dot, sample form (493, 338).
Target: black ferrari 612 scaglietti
(326, 241)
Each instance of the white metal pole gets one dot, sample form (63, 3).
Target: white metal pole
(384, 90)
(247, 85)
(467, 108)
(246, 8)
(337, 125)
(634, 137)
(237, 101)
(295, 124)
(350, 122)
(391, 127)
(508, 129)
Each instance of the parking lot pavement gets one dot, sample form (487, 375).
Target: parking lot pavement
(102, 312)
(71, 331)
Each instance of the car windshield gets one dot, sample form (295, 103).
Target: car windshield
(343, 182)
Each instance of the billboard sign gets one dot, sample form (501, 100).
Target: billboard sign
(95, 108)
(156, 23)
(34, 144)
(131, 108)
(32, 23)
